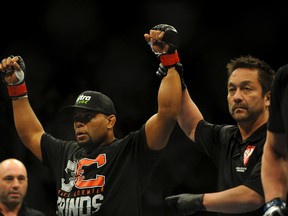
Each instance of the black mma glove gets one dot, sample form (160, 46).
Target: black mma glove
(276, 207)
(18, 89)
(170, 58)
(162, 72)
(186, 204)
(171, 37)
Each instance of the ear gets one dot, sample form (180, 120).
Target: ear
(111, 121)
(268, 98)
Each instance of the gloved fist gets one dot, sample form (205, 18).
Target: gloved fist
(170, 37)
(162, 72)
(164, 40)
(12, 70)
(186, 204)
(12, 73)
(276, 207)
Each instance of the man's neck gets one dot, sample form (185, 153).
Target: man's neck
(9, 211)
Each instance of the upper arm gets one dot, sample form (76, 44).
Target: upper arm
(28, 126)
(34, 145)
(274, 166)
(158, 132)
(276, 143)
(159, 127)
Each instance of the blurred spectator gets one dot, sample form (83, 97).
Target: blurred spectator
(13, 188)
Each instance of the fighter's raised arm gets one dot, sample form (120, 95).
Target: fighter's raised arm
(164, 41)
(27, 124)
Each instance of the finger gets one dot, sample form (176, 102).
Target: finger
(9, 64)
(11, 60)
(16, 65)
(147, 37)
(4, 63)
(14, 58)
(154, 34)
(172, 199)
(160, 36)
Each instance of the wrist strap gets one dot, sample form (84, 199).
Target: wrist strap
(169, 59)
(274, 202)
(17, 90)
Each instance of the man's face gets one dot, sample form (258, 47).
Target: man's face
(245, 99)
(91, 128)
(13, 183)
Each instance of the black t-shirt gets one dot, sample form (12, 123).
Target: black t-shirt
(238, 162)
(28, 211)
(108, 181)
(278, 118)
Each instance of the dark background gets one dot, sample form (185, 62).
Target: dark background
(72, 46)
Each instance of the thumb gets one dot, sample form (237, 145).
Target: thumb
(147, 37)
(172, 199)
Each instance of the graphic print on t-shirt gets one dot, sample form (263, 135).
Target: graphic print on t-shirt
(81, 192)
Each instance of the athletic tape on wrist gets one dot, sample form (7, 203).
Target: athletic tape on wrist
(169, 59)
(16, 98)
(17, 90)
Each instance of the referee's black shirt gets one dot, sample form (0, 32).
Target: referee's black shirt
(238, 161)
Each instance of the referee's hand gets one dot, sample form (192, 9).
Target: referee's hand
(186, 204)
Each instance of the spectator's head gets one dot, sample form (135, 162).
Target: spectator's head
(13, 183)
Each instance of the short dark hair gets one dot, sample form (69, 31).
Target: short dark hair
(266, 72)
